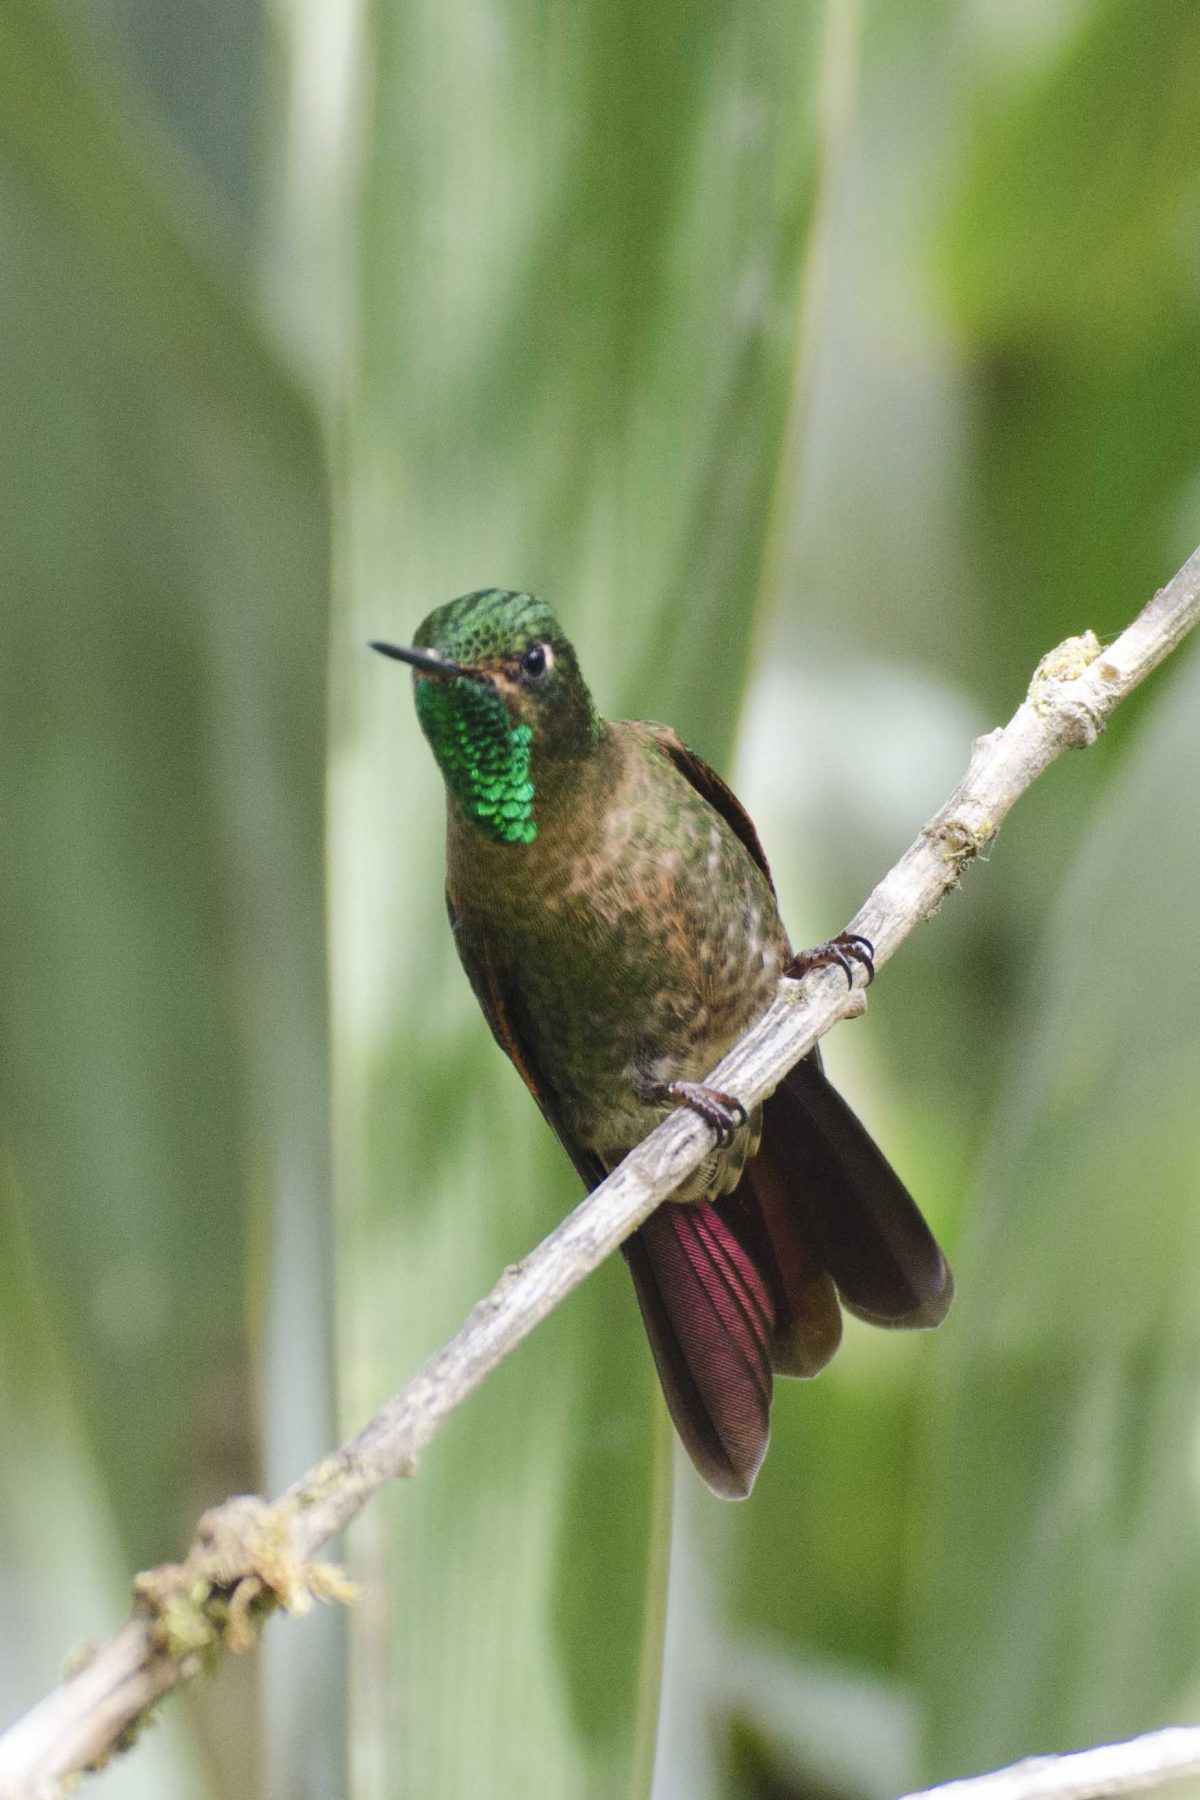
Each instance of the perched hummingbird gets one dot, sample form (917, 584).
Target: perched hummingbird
(615, 914)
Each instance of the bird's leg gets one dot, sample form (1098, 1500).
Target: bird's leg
(726, 1115)
(843, 951)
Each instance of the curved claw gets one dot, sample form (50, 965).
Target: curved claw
(843, 951)
(723, 1112)
(864, 950)
(838, 955)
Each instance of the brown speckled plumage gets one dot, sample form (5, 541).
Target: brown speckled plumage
(638, 937)
(614, 912)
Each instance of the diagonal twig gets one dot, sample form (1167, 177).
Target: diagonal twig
(250, 1555)
(1106, 1769)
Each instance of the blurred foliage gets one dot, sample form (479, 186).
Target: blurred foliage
(850, 352)
(163, 1083)
(1061, 1529)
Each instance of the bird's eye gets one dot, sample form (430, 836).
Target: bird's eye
(535, 662)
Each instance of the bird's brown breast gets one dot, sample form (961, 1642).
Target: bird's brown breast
(636, 936)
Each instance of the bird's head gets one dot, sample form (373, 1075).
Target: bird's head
(501, 700)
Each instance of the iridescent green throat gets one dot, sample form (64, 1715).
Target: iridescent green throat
(482, 754)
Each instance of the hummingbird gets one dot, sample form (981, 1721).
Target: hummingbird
(615, 915)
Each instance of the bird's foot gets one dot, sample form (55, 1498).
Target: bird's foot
(842, 952)
(725, 1114)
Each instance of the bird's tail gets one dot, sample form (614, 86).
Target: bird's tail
(736, 1291)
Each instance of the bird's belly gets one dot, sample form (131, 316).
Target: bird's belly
(636, 949)
(632, 1014)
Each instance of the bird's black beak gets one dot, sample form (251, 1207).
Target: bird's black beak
(427, 661)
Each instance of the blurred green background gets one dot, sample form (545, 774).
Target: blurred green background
(824, 364)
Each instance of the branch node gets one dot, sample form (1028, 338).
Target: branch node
(1081, 726)
(958, 842)
(1066, 662)
(242, 1565)
(234, 1537)
(984, 744)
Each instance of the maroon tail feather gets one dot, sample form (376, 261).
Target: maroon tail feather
(735, 1291)
(852, 1207)
(730, 1294)
(710, 1318)
(808, 1319)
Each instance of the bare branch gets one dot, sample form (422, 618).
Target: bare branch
(1143, 1762)
(250, 1556)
